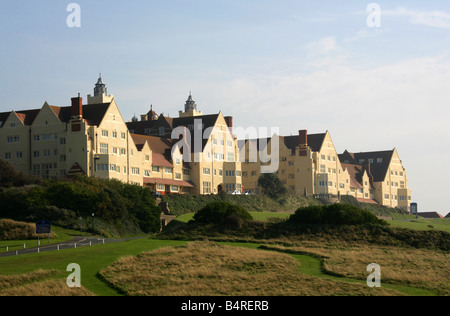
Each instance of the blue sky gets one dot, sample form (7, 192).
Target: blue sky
(312, 65)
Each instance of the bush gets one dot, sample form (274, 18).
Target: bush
(336, 214)
(221, 212)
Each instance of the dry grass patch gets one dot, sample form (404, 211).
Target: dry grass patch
(208, 269)
(421, 268)
(13, 230)
(38, 283)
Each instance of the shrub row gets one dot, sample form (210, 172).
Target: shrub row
(335, 214)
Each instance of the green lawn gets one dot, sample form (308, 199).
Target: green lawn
(260, 216)
(423, 224)
(91, 261)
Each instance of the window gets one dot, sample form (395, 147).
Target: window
(7, 156)
(229, 143)
(105, 133)
(174, 188)
(386, 196)
(178, 176)
(36, 154)
(36, 138)
(19, 155)
(155, 168)
(112, 167)
(160, 187)
(322, 157)
(379, 160)
(46, 153)
(123, 151)
(114, 134)
(161, 131)
(103, 148)
(62, 141)
(186, 173)
(115, 150)
(148, 173)
(122, 135)
(168, 170)
(147, 157)
(206, 187)
(135, 171)
(13, 139)
(206, 171)
(322, 169)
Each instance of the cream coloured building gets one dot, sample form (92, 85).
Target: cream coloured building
(209, 158)
(189, 154)
(310, 165)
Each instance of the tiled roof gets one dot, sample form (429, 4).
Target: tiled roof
(378, 168)
(27, 117)
(169, 182)
(315, 141)
(430, 215)
(92, 113)
(356, 173)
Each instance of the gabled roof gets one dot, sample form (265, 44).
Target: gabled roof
(161, 148)
(152, 127)
(430, 215)
(3, 117)
(356, 173)
(27, 117)
(92, 113)
(378, 168)
(315, 141)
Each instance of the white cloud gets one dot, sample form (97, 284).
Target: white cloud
(437, 19)
(322, 46)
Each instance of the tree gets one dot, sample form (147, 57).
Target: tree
(271, 185)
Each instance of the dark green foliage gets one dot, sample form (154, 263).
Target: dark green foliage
(122, 206)
(222, 212)
(336, 214)
(271, 185)
(10, 177)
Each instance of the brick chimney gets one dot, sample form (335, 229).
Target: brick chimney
(229, 120)
(77, 107)
(303, 142)
(366, 167)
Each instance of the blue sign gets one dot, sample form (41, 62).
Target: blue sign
(43, 227)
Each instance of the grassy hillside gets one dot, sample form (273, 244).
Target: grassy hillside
(182, 204)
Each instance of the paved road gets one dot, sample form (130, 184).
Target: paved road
(75, 243)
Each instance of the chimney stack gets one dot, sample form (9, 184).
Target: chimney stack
(229, 120)
(303, 142)
(303, 138)
(366, 167)
(77, 107)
